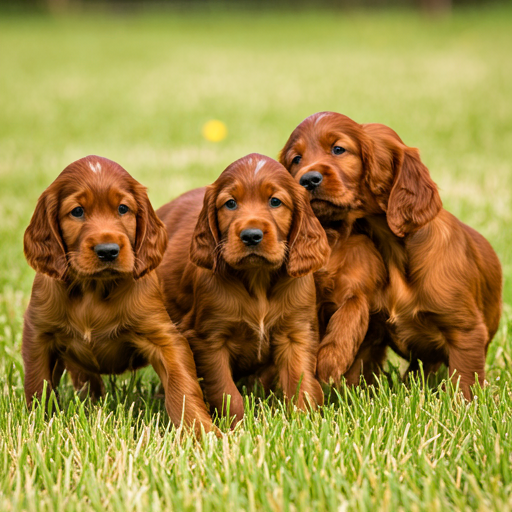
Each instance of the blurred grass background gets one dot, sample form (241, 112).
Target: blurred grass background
(137, 89)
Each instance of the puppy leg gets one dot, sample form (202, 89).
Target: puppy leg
(466, 357)
(39, 362)
(172, 359)
(169, 353)
(345, 333)
(214, 367)
(295, 363)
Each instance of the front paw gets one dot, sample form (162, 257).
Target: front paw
(332, 363)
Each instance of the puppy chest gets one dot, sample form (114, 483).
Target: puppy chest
(99, 351)
(99, 322)
(249, 345)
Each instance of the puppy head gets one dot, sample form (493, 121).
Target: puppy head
(325, 155)
(256, 216)
(94, 221)
(357, 170)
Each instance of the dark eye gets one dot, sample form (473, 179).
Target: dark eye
(231, 204)
(274, 202)
(296, 160)
(338, 150)
(77, 212)
(123, 209)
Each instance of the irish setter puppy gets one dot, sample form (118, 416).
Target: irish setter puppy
(96, 305)
(238, 280)
(443, 295)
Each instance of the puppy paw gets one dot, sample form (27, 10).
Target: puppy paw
(332, 363)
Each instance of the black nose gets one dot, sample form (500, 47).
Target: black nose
(107, 252)
(311, 180)
(251, 236)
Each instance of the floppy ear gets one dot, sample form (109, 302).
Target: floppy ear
(399, 181)
(414, 200)
(42, 242)
(381, 155)
(151, 236)
(206, 235)
(308, 247)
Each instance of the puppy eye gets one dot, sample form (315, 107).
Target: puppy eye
(296, 160)
(77, 212)
(274, 202)
(123, 209)
(231, 204)
(338, 150)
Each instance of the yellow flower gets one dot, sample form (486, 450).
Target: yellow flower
(214, 130)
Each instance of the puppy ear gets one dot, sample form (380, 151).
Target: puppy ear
(414, 200)
(151, 236)
(308, 246)
(399, 181)
(206, 236)
(42, 242)
(381, 155)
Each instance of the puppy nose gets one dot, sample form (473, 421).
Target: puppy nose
(107, 252)
(251, 236)
(311, 180)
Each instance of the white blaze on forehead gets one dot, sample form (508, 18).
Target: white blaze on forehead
(96, 168)
(259, 165)
(319, 117)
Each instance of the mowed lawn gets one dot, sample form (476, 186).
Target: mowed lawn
(138, 90)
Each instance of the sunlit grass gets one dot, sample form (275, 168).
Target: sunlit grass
(391, 446)
(138, 90)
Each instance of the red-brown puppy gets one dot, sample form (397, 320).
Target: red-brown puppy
(238, 280)
(443, 297)
(96, 306)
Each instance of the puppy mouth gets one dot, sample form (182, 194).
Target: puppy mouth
(105, 271)
(327, 211)
(108, 271)
(325, 203)
(255, 259)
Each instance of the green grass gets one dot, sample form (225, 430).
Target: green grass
(137, 90)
